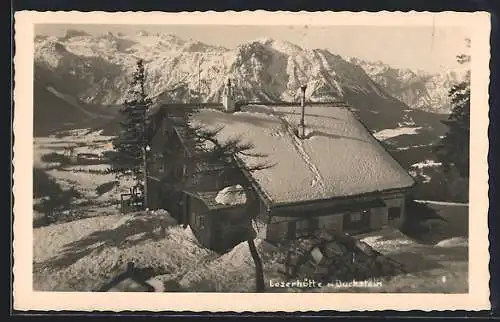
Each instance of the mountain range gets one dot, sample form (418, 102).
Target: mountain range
(417, 89)
(94, 70)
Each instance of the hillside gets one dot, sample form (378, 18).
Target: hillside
(55, 111)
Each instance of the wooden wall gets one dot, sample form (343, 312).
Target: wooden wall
(395, 200)
(278, 228)
(230, 226)
(200, 220)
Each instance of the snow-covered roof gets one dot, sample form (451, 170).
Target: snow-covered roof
(338, 158)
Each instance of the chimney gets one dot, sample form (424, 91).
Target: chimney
(302, 126)
(227, 98)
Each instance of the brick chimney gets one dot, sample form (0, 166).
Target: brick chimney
(302, 127)
(227, 97)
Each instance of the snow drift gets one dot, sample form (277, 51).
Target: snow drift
(232, 195)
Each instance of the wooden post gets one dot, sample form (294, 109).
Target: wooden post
(302, 132)
(145, 160)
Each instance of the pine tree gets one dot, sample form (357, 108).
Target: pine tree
(129, 144)
(453, 150)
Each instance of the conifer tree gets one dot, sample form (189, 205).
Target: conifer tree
(453, 150)
(130, 142)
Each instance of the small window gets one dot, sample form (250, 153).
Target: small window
(355, 216)
(163, 165)
(201, 222)
(179, 171)
(394, 213)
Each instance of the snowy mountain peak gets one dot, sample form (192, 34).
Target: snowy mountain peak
(97, 70)
(142, 33)
(416, 88)
(283, 46)
(70, 33)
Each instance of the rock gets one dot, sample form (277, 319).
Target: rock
(333, 250)
(365, 248)
(317, 255)
(307, 268)
(321, 271)
(305, 245)
(340, 258)
(324, 236)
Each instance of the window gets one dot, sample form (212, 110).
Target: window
(394, 213)
(357, 221)
(200, 221)
(179, 171)
(307, 226)
(355, 216)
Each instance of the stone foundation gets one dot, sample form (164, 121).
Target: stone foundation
(335, 256)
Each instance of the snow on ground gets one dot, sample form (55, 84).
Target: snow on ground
(232, 195)
(420, 173)
(426, 164)
(391, 133)
(338, 158)
(417, 169)
(50, 240)
(386, 245)
(453, 242)
(416, 146)
(443, 203)
(96, 188)
(84, 182)
(233, 271)
(80, 141)
(83, 255)
(442, 267)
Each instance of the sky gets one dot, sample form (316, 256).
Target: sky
(426, 48)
